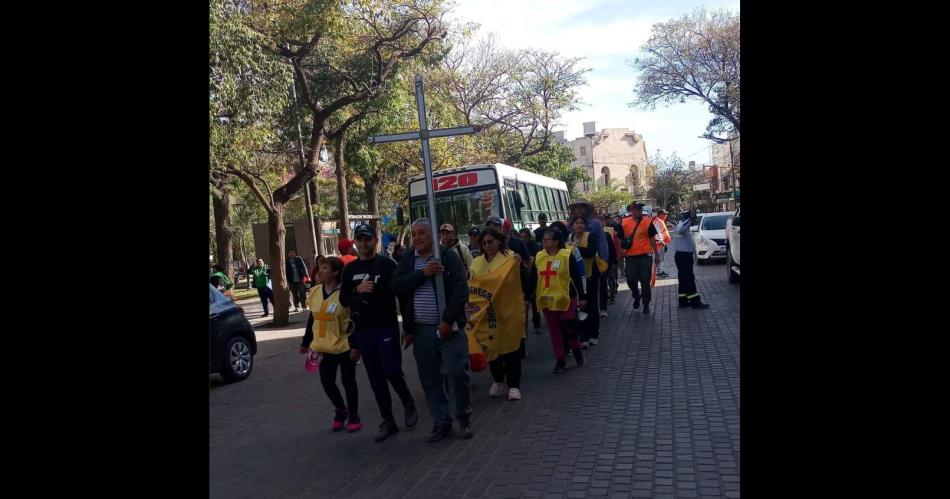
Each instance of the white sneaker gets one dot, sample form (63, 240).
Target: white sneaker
(496, 389)
(514, 394)
(603, 313)
(593, 341)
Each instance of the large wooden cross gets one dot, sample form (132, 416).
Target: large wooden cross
(424, 134)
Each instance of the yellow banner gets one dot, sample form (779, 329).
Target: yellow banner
(496, 311)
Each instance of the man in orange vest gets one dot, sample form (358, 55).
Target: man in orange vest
(639, 243)
(662, 240)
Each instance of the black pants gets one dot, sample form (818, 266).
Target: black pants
(685, 276)
(535, 313)
(328, 379)
(590, 327)
(602, 291)
(509, 365)
(640, 270)
(298, 293)
(266, 294)
(382, 361)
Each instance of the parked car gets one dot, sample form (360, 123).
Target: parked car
(732, 248)
(233, 343)
(711, 236)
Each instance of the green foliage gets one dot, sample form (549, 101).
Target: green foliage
(610, 198)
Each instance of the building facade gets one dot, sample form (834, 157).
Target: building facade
(726, 157)
(611, 154)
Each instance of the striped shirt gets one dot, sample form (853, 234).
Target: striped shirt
(425, 307)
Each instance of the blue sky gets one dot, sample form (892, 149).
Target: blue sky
(607, 33)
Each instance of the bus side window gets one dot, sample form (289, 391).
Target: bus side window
(564, 204)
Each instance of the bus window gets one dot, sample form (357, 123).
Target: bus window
(549, 200)
(564, 204)
(512, 206)
(535, 202)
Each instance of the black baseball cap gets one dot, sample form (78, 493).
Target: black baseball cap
(363, 230)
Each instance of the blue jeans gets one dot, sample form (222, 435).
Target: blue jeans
(432, 355)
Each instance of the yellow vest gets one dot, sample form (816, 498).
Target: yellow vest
(554, 280)
(496, 318)
(331, 322)
(589, 262)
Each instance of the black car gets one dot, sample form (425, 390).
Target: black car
(233, 342)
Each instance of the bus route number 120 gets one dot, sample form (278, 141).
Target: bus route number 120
(454, 181)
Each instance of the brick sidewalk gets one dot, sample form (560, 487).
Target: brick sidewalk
(653, 413)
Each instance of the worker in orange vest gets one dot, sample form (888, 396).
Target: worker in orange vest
(639, 243)
(662, 240)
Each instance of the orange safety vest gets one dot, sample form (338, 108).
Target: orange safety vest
(641, 240)
(664, 233)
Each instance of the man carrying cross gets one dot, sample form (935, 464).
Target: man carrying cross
(559, 292)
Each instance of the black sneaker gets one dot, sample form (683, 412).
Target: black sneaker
(439, 433)
(465, 426)
(636, 302)
(684, 303)
(559, 367)
(386, 430)
(646, 308)
(700, 304)
(578, 356)
(412, 416)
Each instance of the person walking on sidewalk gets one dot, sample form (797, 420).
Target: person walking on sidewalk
(560, 289)
(365, 290)
(260, 274)
(542, 228)
(586, 242)
(447, 235)
(611, 233)
(662, 240)
(296, 280)
(438, 342)
(684, 247)
(347, 253)
(639, 235)
(527, 238)
(507, 365)
(331, 319)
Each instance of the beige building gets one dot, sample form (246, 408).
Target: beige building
(611, 154)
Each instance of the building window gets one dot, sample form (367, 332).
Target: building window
(583, 151)
(606, 172)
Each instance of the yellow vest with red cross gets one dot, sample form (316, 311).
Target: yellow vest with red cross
(554, 280)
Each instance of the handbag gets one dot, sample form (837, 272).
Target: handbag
(627, 242)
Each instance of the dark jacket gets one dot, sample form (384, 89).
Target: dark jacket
(406, 279)
(301, 267)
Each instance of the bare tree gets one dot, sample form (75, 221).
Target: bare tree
(693, 57)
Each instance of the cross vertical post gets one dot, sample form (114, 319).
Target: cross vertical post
(423, 135)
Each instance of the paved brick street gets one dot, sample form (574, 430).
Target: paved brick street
(653, 413)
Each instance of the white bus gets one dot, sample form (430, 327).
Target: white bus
(469, 195)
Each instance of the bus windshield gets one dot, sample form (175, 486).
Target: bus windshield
(461, 210)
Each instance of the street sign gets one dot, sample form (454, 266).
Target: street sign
(701, 187)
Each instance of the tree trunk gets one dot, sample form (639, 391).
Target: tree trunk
(276, 244)
(342, 203)
(371, 186)
(223, 235)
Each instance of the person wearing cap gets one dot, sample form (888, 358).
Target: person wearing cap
(662, 240)
(439, 343)
(683, 249)
(447, 235)
(474, 243)
(347, 253)
(640, 233)
(365, 290)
